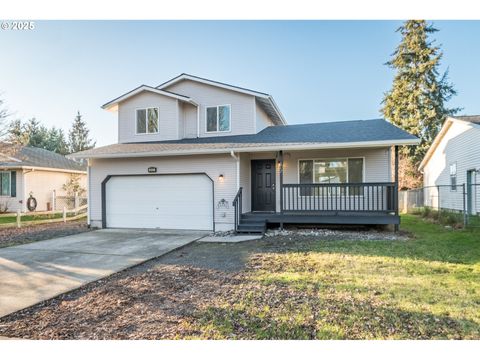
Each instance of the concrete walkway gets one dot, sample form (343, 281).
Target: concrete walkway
(39, 271)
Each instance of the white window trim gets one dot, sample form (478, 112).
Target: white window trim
(146, 121)
(9, 184)
(218, 125)
(327, 159)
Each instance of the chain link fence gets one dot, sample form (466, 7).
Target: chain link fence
(67, 202)
(451, 205)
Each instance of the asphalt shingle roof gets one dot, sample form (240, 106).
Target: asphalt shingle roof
(315, 134)
(36, 157)
(329, 132)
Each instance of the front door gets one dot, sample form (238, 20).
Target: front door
(263, 185)
(471, 192)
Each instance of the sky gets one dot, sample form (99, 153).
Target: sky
(316, 70)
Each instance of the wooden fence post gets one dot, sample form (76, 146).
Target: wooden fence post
(64, 214)
(19, 218)
(76, 202)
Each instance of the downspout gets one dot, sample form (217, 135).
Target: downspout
(198, 121)
(89, 204)
(24, 200)
(237, 159)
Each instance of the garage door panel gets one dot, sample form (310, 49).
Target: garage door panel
(164, 201)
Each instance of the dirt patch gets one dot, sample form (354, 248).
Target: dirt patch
(28, 234)
(166, 298)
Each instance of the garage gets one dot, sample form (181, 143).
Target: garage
(159, 202)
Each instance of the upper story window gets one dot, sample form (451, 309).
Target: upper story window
(147, 121)
(218, 118)
(453, 176)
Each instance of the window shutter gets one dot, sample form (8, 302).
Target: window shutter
(13, 185)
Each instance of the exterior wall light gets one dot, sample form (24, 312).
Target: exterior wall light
(220, 177)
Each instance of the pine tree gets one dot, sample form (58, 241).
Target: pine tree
(56, 141)
(78, 136)
(417, 100)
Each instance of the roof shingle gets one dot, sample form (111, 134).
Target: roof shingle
(36, 157)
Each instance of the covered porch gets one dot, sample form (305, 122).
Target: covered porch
(334, 187)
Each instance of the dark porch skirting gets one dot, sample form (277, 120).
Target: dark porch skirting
(326, 218)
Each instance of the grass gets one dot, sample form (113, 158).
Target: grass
(13, 218)
(427, 287)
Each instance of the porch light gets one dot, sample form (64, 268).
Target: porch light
(220, 177)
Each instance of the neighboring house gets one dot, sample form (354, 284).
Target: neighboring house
(199, 154)
(454, 160)
(27, 170)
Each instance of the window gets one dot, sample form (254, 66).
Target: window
(453, 176)
(5, 183)
(147, 121)
(331, 171)
(218, 118)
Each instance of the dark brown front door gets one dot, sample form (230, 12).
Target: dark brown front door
(263, 185)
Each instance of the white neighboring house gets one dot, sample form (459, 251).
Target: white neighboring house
(194, 153)
(26, 170)
(454, 160)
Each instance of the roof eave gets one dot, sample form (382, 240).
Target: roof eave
(264, 148)
(113, 104)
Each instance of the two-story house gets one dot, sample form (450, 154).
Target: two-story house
(194, 153)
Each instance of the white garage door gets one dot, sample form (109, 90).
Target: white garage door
(160, 201)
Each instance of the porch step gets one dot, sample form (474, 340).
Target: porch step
(252, 227)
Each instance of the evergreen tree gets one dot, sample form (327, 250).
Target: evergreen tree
(78, 136)
(418, 97)
(56, 141)
(32, 133)
(16, 133)
(37, 133)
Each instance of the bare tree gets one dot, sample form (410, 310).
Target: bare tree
(4, 114)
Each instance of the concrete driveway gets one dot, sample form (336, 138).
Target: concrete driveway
(38, 271)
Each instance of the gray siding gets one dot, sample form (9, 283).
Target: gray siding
(242, 105)
(376, 165)
(261, 118)
(169, 127)
(461, 144)
(212, 165)
(190, 121)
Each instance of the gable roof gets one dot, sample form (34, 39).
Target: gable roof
(15, 156)
(342, 134)
(265, 100)
(112, 105)
(474, 119)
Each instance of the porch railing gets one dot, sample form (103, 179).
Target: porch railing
(347, 197)
(237, 206)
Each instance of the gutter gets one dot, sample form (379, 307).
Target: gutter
(33, 168)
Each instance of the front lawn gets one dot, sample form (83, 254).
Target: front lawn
(424, 288)
(282, 287)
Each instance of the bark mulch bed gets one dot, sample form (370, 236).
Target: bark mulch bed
(17, 236)
(157, 303)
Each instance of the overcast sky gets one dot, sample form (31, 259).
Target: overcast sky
(316, 70)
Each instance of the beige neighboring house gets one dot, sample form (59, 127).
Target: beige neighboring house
(26, 171)
(452, 161)
(195, 153)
